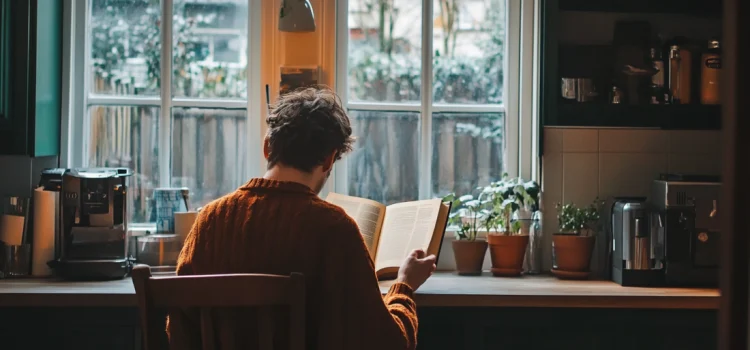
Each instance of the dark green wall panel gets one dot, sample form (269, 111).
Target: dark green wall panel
(48, 75)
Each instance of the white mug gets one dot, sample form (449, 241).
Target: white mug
(183, 223)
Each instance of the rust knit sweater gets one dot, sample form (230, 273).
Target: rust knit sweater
(276, 227)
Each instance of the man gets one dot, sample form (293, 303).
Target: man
(278, 225)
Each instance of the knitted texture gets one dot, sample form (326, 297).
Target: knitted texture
(274, 227)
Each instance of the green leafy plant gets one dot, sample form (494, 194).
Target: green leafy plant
(508, 196)
(578, 221)
(466, 216)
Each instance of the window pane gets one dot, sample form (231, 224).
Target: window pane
(210, 48)
(468, 151)
(385, 50)
(209, 152)
(468, 41)
(125, 47)
(127, 136)
(384, 163)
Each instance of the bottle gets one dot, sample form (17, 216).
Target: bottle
(710, 72)
(657, 93)
(675, 60)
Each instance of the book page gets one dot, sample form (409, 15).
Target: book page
(407, 226)
(368, 215)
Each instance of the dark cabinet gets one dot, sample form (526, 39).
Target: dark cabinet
(447, 328)
(30, 77)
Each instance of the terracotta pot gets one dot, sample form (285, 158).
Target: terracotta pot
(507, 254)
(572, 253)
(469, 257)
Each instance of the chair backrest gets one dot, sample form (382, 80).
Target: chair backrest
(208, 291)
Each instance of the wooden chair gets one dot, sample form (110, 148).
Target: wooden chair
(208, 291)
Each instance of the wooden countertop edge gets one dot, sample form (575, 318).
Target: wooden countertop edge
(422, 300)
(569, 301)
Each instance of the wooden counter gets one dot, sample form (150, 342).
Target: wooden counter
(441, 290)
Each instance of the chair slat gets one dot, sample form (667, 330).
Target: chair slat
(206, 292)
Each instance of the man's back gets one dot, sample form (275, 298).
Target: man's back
(277, 227)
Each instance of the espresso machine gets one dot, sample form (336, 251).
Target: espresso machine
(637, 253)
(686, 219)
(91, 243)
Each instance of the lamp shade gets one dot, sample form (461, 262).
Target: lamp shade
(296, 16)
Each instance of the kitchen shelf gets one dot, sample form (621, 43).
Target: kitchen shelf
(668, 117)
(701, 8)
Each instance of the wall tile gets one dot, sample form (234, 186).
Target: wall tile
(695, 142)
(629, 174)
(553, 140)
(580, 177)
(552, 177)
(630, 140)
(694, 164)
(580, 140)
(15, 176)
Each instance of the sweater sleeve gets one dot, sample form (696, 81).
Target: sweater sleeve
(365, 318)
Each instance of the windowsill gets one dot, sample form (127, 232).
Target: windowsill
(137, 230)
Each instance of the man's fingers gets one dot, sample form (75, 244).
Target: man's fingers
(417, 253)
(430, 259)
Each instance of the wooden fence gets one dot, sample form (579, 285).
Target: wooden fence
(209, 153)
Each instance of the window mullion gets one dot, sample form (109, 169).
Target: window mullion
(255, 116)
(341, 171)
(512, 84)
(165, 119)
(425, 136)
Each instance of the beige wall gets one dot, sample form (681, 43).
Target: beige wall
(298, 49)
(580, 165)
(295, 49)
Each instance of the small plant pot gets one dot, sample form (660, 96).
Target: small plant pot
(469, 257)
(507, 254)
(572, 256)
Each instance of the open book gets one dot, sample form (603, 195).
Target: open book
(391, 232)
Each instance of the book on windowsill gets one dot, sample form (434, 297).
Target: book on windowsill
(391, 232)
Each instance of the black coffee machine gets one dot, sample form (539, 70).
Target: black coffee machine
(686, 218)
(91, 243)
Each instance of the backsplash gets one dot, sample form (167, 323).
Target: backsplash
(581, 164)
(19, 175)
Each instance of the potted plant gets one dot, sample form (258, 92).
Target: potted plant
(507, 239)
(468, 251)
(573, 245)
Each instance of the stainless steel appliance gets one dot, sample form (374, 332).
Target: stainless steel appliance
(637, 258)
(687, 220)
(579, 89)
(91, 243)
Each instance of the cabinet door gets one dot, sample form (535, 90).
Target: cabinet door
(30, 74)
(16, 34)
(4, 62)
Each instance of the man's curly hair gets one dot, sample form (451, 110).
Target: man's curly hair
(306, 126)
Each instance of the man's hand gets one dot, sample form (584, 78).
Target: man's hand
(416, 269)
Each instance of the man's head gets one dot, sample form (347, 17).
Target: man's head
(308, 130)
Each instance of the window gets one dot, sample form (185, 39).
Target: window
(436, 91)
(166, 95)
(462, 131)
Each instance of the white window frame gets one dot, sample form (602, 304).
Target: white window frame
(77, 98)
(521, 121)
